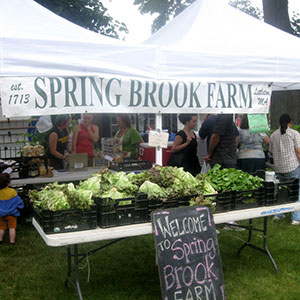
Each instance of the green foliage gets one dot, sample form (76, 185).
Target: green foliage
(294, 126)
(165, 9)
(55, 196)
(90, 14)
(174, 182)
(232, 179)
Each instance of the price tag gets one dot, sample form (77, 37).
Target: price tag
(78, 165)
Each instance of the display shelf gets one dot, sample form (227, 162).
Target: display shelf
(18, 128)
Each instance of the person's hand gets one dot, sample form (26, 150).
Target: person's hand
(207, 158)
(66, 158)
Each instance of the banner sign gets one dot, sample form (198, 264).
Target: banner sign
(258, 123)
(31, 96)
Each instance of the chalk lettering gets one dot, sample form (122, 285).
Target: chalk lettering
(189, 225)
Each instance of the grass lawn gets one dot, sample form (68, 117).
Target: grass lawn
(127, 270)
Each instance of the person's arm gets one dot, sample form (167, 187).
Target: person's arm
(75, 138)
(94, 136)
(203, 131)
(214, 141)
(266, 140)
(53, 138)
(177, 146)
(297, 150)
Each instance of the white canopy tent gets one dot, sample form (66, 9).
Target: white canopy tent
(34, 42)
(212, 40)
(210, 58)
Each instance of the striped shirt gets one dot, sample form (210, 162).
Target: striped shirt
(283, 148)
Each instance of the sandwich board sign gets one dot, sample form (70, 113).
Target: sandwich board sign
(188, 254)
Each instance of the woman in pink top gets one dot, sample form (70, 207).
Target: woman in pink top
(85, 135)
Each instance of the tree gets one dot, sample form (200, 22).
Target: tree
(246, 6)
(276, 14)
(90, 14)
(167, 10)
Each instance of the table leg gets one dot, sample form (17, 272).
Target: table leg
(69, 260)
(265, 247)
(75, 284)
(249, 237)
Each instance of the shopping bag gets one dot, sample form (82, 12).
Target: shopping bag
(176, 159)
(205, 167)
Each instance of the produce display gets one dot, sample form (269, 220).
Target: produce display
(159, 183)
(232, 179)
(56, 197)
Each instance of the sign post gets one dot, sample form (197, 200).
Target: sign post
(188, 254)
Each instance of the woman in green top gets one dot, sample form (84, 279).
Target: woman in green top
(127, 138)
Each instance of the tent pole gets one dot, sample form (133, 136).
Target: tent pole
(158, 150)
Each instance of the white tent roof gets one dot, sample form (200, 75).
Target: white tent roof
(211, 58)
(212, 40)
(34, 41)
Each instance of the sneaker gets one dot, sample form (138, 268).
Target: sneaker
(295, 222)
(278, 217)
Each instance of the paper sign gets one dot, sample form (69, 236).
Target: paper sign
(258, 123)
(78, 165)
(108, 157)
(158, 139)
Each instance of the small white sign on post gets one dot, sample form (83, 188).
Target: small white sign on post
(158, 139)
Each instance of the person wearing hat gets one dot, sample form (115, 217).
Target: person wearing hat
(58, 141)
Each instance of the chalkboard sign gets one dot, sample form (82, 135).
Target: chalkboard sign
(188, 254)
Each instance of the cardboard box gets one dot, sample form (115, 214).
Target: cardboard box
(78, 162)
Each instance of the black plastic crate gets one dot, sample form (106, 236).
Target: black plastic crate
(69, 220)
(131, 165)
(153, 206)
(171, 203)
(26, 213)
(282, 192)
(224, 201)
(250, 198)
(185, 200)
(120, 212)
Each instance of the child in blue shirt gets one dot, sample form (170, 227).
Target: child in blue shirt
(10, 203)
